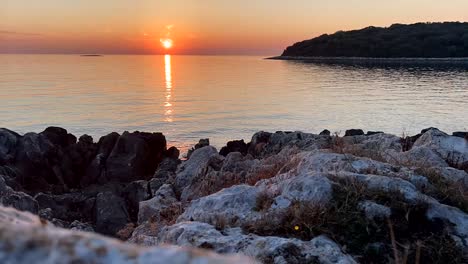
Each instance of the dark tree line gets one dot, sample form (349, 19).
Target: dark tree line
(427, 40)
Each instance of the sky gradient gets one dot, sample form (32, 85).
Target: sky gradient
(260, 27)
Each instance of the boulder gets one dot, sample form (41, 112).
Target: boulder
(79, 226)
(195, 168)
(234, 146)
(111, 213)
(8, 142)
(163, 199)
(134, 193)
(18, 200)
(325, 132)
(267, 249)
(460, 134)
(97, 167)
(453, 150)
(68, 206)
(135, 156)
(203, 142)
(24, 238)
(354, 132)
(239, 206)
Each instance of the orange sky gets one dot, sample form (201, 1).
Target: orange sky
(199, 27)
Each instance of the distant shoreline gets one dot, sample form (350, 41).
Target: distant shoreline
(365, 60)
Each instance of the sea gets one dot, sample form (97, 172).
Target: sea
(225, 97)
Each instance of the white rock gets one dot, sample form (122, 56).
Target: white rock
(24, 239)
(266, 249)
(162, 199)
(194, 168)
(374, 210)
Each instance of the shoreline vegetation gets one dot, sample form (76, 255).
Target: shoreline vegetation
(377, 61)
(399, 41)
(283, 197)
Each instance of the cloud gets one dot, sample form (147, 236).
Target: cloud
(15, 33)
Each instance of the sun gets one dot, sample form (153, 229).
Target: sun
(166, 43)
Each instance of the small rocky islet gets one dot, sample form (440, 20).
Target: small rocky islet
(284, 197)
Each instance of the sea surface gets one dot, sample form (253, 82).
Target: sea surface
(225, 97)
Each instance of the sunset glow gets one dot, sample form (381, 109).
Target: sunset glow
(198, 27)
(166, 43)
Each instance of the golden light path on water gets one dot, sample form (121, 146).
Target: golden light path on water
(168, 94)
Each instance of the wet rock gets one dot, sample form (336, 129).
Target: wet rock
(234, 146)
(354, 132)
(48, 244)
(111, 213)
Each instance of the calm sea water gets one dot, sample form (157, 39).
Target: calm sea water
(224, 97)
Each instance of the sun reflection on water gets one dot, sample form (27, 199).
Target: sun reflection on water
(168, 93)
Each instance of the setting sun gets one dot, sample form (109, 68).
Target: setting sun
(166, 43)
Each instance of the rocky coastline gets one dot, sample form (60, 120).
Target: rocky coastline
(283, 197)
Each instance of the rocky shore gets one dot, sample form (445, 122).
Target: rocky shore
(284, 197)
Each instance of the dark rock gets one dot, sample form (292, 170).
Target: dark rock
(370, 133)
(234, 146)
(203, 142)
(111, 213)
(427, 129)
(258, 142)
(8, 142)
(35, 160)
(97, 168)
(69, 207)
(79, 226)
(354, 132)
(59, 136)
(325, 132)
(172, 153)
(75, 159)
(46, 214)
(18, 200)
(135, 156)
(134, 193)
(460, 134)
(154, 185)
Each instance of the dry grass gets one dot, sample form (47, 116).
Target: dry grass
(264, 201)
(447, 192)
(126, 232)
(406, 236)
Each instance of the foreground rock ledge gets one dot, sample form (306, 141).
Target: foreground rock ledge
(284, 197)
(24, 238)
